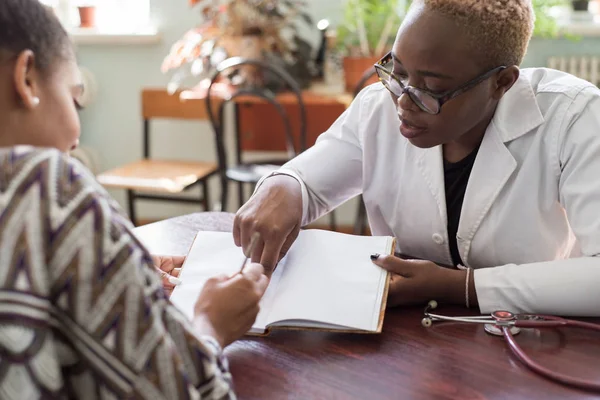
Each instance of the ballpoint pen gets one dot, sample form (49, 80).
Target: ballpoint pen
(253, 243)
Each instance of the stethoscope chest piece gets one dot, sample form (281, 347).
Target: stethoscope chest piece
(497, 331)
(503, 318)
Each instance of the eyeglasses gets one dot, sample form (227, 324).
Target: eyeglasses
(427, 101)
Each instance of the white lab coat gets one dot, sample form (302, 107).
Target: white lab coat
(530, 221)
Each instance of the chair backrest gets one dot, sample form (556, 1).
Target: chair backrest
(262, 94)
(370, 72)
(160, 104)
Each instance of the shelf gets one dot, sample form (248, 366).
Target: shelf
(91, 36)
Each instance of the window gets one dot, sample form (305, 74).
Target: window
(111, 16)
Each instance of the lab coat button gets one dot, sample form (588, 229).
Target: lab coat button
(437, 238)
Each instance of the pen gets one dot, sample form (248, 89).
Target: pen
(171, 279)
(253, 243)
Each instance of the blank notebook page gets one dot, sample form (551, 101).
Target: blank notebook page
(332, 280)
(212, 254)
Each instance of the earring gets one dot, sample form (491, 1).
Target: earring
(35, 101)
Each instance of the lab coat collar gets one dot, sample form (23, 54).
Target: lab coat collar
(517, 112)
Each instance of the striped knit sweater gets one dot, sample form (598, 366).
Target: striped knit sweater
(82, 312)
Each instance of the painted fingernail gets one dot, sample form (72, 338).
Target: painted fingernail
(174, 281)
(374, 256)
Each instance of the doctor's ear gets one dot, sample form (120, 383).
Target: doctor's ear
(27, 80)
(505, 80)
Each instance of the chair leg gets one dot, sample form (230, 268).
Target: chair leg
(332, 221)
(224, 193)
(205, 195)
(360, 224)
(130, 202)
(241, 194)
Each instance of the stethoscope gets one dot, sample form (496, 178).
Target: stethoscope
(508, 324)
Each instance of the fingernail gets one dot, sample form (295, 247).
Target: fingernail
(374, 256)
(174, 281)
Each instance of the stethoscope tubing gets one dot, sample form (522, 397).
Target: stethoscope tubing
(555, 376)
(540, 321)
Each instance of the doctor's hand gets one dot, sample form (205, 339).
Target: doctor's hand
(275, 212)
(417, 282)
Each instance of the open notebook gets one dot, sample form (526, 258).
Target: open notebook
(326, 281)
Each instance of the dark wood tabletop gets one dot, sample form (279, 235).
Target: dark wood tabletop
(406, 361)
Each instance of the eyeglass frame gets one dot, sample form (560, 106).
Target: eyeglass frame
(442, 98)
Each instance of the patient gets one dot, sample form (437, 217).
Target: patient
(83, 312)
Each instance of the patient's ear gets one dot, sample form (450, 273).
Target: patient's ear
(26, 79)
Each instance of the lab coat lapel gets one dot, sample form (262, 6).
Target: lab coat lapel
(492, 169)
(430, 163)
(517, 114)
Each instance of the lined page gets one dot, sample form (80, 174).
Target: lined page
(213, 254)
(329, 278)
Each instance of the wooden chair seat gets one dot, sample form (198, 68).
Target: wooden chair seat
(157, 175)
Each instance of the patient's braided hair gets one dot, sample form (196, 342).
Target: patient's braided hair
(29, 25)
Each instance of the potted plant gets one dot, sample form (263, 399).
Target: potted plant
(87, 14)
(366, 32)
(258, 29)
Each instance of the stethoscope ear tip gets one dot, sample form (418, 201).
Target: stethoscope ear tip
(432, 304)
(426, 322)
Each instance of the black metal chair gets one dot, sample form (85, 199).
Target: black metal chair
(251, 172)
(242, 172)
(361, 222)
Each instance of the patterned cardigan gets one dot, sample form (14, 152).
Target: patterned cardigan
(82, 311)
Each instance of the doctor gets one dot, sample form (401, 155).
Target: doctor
(467, 160)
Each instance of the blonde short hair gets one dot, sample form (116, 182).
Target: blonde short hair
(500, 29)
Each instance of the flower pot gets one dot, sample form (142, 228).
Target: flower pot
(354, 68)
(87, 16)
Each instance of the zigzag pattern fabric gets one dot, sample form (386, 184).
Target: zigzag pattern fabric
(82, 311)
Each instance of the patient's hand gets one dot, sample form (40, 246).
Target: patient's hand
(172, 266)
(227, 306)
(275, 212)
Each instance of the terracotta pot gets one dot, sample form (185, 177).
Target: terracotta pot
(354, 68)
(87, 16)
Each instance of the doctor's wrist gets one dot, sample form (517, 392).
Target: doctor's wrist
(456, 288)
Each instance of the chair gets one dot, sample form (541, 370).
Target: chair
(251, 172)
(161, 180)
(361, 222)
(241, 172)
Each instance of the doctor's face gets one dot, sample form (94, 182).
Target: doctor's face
(433, 55)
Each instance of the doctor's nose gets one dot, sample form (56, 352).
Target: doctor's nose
(405, 102)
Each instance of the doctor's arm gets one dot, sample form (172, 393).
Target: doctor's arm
(564, 287)
(307, 187)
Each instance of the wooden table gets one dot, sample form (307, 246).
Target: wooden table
(407, 361)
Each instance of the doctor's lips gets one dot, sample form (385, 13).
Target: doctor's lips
(409, 129)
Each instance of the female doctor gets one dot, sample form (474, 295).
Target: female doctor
(467, 160)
